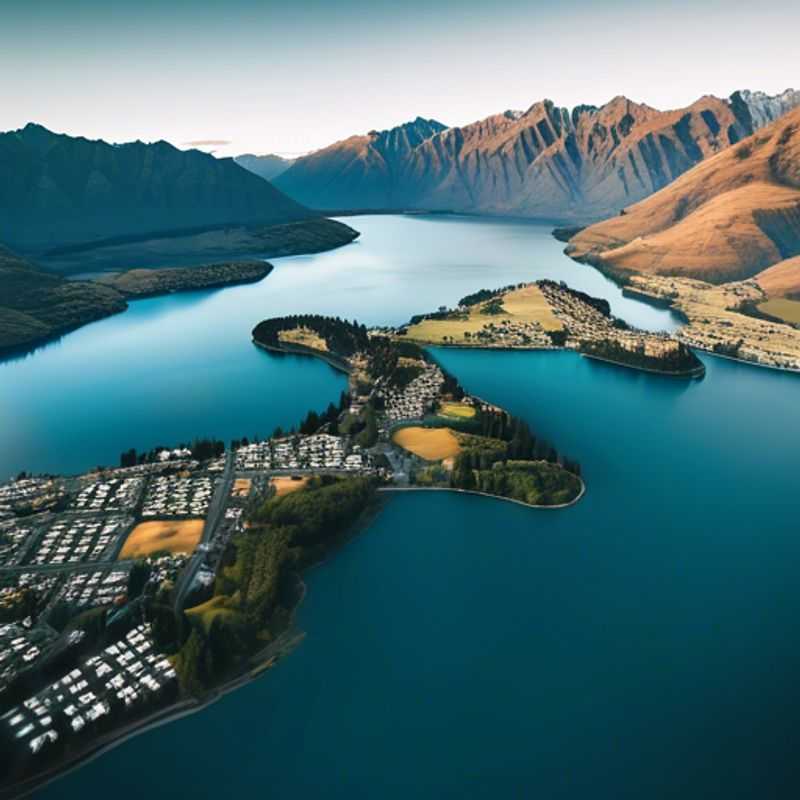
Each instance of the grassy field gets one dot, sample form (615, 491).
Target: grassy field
(529, 305)
(241, 487)
(288, 485)
(304, 337)
(432, 444)
(207, 612)
(174, 536)
(780, 307)
(519, 305)
(457, 410)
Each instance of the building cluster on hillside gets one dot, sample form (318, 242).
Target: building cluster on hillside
(166, 567)
(33, 494)
(118, 681)
(29, 592)
(151, 467)
(176, 496)
(172, 455)
(22, 489)
(584, 323)
(20, 647)
(85, 590)
(511, 333)
(216, 465)
(320, 451)
(415, 399)
(747, 346)
(14, 538)
(71, 539)
(720, 320)
(109, 494)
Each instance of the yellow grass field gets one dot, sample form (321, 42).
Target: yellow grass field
(780, 307)
(207, 612)
(432, 444)
(175, 536)
(287, 485)
(305, 337)
(457, 410)
(527, 304)
(241, 487)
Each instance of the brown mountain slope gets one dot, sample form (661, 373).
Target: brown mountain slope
(782, 279)
(358, 172)
(547, 162)
(728, 218)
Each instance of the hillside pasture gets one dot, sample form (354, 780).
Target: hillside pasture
(524, 305)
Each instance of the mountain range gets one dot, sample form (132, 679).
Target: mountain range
(58, 190)
(547, 162)
(729, 218)
(366, 172)
(267, 166)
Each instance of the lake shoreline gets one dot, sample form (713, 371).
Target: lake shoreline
(690, 374)
(299, 350)
(163, 716)
(622, 279)
(214, 272)
(487, 494)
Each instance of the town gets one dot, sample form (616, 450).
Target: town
(724, 319)
(76, 557)
(95, 569)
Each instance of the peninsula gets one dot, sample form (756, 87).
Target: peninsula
(546, 316)
(151, 282)
(135, 594)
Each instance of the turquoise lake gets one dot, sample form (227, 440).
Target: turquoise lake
(173, 368)
(640, 644)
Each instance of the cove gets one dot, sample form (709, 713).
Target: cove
(640, 644)
(177, 367)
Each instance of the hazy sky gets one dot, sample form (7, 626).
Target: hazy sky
(292, 76)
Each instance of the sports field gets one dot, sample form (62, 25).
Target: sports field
(174, 536)
(432, 444)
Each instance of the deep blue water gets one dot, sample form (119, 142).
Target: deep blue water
(641, 644)
(176, 367)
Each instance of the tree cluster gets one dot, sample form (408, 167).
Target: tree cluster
(679, 359)
(255, 591)
(342, 338)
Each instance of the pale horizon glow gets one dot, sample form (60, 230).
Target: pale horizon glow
(263, 77)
